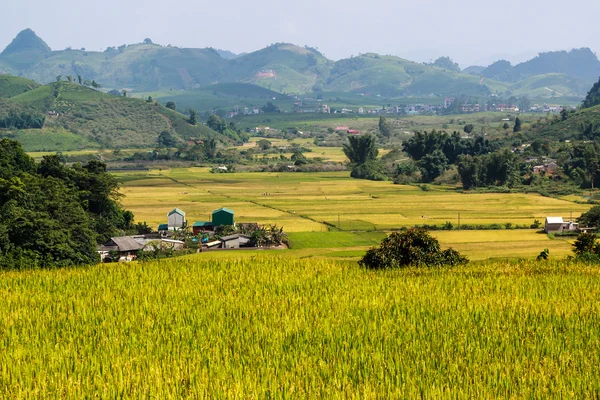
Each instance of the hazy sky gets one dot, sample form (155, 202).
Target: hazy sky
(469, 31)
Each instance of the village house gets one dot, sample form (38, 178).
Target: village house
(176, 219)
(126, 247)
(558, 225)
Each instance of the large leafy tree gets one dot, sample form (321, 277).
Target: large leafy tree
(385, 127)
(51, 215)
(415, 247)
(361, 149)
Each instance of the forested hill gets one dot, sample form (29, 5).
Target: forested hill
(97, 119)
(287, 68)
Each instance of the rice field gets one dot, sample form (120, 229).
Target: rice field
(312, 207)
(271, 327)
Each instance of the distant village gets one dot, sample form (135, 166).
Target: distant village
(316, 106)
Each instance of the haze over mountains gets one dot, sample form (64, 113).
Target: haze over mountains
(287, 68)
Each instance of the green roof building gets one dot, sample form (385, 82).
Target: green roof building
(222, 216)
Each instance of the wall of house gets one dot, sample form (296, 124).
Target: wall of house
(232, 244)
(176, 220)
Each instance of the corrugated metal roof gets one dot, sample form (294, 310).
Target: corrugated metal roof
(172, 241)
(227, 210)
(176, 211)
(230, 237)
(202, 223)
(125, 243)
(554, 220)
(163, 227)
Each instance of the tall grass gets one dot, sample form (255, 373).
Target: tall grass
(270, 327)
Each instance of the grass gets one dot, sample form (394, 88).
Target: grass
(11, 86)
(101, 120)
(270, 327)
(310, 205)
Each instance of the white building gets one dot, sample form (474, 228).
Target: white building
(176, 219)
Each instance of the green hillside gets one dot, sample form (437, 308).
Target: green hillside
(100, 120)
(392, 76)
(287, 68)
(11, 86)
(283, 67)
(222, 95)
(583, 124)
(24, 51)
(549, 85)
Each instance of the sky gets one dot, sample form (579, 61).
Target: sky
(471, 32)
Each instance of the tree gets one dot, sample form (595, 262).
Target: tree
(124, 93)
(361, 149)
(270, 108)
(586, 244)
(148, 41)
(216, 123)
(447, 63)
(564, 114)
(468, 128)
(433, 165)
(79, 79)
(591, 218)
(299, 158)
(263, 144)
(385, 128)
(170, 105)
(517, 127)
(524, 104)
(52, 215)
(95, 85)
(543, 256)
(70, 78)
(166, 139)
(149, 99)
(58, 78)
(192, 118)
(505, 126)
(414, 247)
(593, 97)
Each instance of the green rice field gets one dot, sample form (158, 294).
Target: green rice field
(272, 327)
(326, 213)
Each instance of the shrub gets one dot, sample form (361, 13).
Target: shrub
(413, 247)
(586, 245)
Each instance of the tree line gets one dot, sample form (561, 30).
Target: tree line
(52, 215)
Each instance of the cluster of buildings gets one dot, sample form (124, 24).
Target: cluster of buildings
(126, 248)
(558, 225)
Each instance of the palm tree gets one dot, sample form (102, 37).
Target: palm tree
(361, 149)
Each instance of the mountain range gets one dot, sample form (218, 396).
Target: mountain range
(287, 68)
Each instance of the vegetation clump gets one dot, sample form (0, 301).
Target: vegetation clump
(51, 215)
(414, 247)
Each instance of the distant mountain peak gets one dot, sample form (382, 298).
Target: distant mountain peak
(26, 40)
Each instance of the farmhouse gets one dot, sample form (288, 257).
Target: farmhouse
(176, 219)
(222, 216)
(126, 246)
(202, 226)
(230, 242)
(557, 225)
